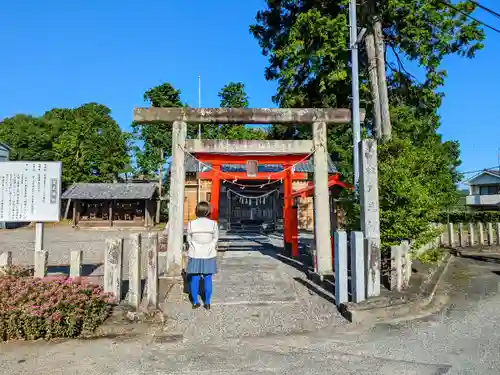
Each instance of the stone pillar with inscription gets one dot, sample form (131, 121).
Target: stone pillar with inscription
(321, 200)
(370, 220)
(176, 202)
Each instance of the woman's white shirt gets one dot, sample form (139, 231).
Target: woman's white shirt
(202, 237)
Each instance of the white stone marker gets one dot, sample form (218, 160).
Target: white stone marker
(6, 259)
(481, 233)
(152, 278)
(41, 263)
(113, 267)
(471, 234)
(490, 234)
(451, 235)
(134, 274)
(358, 285)
(75, 266)
(340, 259)
(396, 268)
(461, 237)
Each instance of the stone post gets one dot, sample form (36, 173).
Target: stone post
(451, 235)
(471, 234)
(357, 267)
(321, 199)
(461, 238)
(490, 234)
(498, 233)
(480, 227)
(41, 263)
(396, 268)
(134, 271)
(176, 201)
(340, 258)
(113, 267)
(406, 263)
(370, 220)
(75, 264)
(152, 278)
(6, 259)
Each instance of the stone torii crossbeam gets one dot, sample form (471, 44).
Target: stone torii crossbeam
(318, 118)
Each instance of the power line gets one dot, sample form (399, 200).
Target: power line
(469, 16)
(480, 170)
(491, 11)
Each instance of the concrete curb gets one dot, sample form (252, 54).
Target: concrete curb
(390, 308)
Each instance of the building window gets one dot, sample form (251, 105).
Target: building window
(209, 197)
(489, 190)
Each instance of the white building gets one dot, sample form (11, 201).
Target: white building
(484, 191)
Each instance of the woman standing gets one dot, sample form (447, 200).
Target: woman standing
(202, 238)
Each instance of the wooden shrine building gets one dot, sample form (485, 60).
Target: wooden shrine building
(253, 206)
(117, 204)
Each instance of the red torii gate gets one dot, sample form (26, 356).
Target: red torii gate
(290, 221)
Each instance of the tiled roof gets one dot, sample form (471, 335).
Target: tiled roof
(307, 166)
(99, 191)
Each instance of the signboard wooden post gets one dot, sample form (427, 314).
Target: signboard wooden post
(30, 192)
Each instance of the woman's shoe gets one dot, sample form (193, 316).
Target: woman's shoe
(196, 306)
(207, 307)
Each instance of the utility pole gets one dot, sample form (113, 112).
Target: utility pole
(198, 186)
(356, 127)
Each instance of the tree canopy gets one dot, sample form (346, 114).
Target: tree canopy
(307, 46)
(86, 139)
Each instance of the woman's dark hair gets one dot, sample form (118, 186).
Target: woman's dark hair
(203, 209)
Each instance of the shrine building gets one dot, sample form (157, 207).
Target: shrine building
(259, 203)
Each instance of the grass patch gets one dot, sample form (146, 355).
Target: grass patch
(432, 256)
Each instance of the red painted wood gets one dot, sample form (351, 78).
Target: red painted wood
(242, 176)
(294, 231)
(242, 159)
(215, 193)
(308, 191)
(287, 207)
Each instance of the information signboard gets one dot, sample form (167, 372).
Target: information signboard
(30, 191)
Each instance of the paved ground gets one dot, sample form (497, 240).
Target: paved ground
(255, 293)
(284, 329)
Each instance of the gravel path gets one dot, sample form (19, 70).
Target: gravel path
(255, 294)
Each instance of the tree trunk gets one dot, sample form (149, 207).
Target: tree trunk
(382, 79)
(373, 78)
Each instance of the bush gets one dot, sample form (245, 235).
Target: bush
(32, 309)
(469, 217)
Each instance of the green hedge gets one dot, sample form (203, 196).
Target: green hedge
(469, 217)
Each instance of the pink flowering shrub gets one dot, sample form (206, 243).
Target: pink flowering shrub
(32, 309)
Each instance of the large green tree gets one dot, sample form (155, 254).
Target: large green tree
(307, 45)
(86, 139)
(89, 143)
(155, 140)
(233, 95)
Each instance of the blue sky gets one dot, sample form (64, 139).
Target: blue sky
(66, 53)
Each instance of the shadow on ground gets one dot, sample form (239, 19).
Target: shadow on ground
(324, 288)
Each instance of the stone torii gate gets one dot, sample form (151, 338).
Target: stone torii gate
(318, 118)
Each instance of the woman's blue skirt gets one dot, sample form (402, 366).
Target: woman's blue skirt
(201, 266)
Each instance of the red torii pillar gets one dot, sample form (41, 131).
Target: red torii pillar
(288, 215)
(215, 192)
